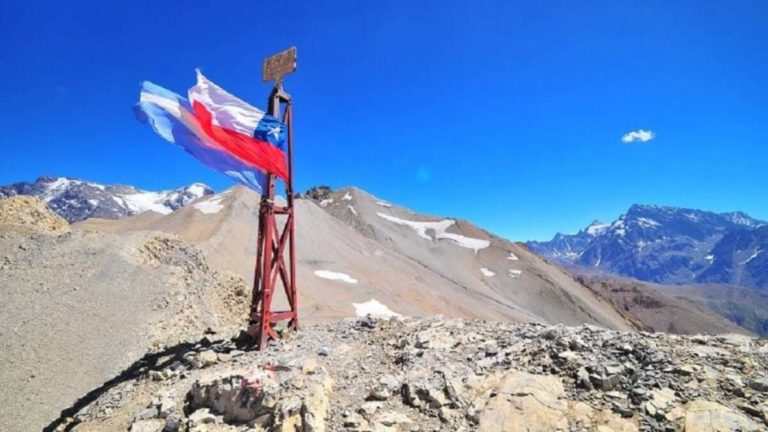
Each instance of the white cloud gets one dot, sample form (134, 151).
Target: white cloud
(638, 135)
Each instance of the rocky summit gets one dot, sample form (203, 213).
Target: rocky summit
(434, 374)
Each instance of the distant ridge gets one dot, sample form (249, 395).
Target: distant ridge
(76, 200)
(670, 245)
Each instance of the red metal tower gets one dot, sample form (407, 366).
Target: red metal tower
(276, 224)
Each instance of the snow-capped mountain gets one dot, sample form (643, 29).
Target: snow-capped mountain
(666, 245)
(566, 247)
(76, 200)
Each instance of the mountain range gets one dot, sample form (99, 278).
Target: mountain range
(670, 245)
(414, 264)
(76, 200)
(160, 276)
(356, 251)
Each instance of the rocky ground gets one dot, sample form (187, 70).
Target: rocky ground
(433, 374)
(30, 214)
(77, 308)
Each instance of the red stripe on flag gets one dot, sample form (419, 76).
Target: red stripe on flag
(252, 151)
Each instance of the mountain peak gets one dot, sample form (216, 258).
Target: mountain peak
(651, 208)
(596, 228)
(741, 218)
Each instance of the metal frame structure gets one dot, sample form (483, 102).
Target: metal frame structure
(276, 235)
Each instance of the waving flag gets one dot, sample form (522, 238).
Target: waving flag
(220, 130)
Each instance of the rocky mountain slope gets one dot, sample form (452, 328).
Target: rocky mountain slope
(740, 258)
(77, 308)
(369, 257)
(743, 306)
(442, 374)
(654, 308)
(77, 200)
(672, 246)
(352, 259)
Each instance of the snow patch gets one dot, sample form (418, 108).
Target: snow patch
(384, 204)
(146, 201)
(352, 209)
(647, 223)
(709, 258)
(439, 227)
(374, 308)
(56, 188)
(515, 274)
(596, 229)
(754, 255)
(512, 257)
(197, 189)
(346, 197)
(486, 272)
(336, 276)
(210, 206)
(326, 202)
(618, 227)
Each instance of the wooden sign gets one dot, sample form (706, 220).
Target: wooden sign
(279, 65)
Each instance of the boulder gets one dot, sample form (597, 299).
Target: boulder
(705, 416)
(759, 384)
(526, 402)
(531, 403)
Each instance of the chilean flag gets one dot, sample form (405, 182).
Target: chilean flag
(220, 130)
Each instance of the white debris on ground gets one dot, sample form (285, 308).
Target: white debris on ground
(352, 209)
(336, 276)
(374, 308)
(512, 257)
(439, 227)
(210, 206)
(515, 274)
(326, 202)
(383, 204)
(487, 273)
(346, 197)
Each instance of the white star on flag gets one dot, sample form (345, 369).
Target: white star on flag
(274, 131)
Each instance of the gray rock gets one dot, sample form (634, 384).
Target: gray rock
(146, 414)
(201, 417)
(172, 423)
(759, 384)
(583, 380)
(605, 383)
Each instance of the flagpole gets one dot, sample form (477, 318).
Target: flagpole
(270, 255)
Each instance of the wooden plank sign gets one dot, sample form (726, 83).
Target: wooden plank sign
(279, 65)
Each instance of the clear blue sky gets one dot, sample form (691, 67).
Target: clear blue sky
(509, 114)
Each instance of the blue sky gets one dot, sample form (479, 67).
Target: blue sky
(509, 114)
